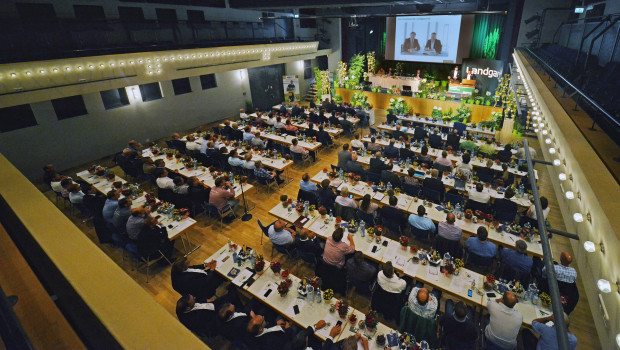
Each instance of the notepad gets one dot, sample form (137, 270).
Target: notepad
(378, 196)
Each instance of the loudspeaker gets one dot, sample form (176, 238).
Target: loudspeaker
(406, 93)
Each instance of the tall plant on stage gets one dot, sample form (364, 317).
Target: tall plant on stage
(400, 68)
(342, 74)
(463, 113)
(325, 82)
(319, 83)
(359, 99)
(371, 62)
(356, 67)
(398, 106)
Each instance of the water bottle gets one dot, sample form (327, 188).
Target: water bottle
(331, 215)
(457, 209)
(521, 190)
(310, 291)
(319, 296)
(195, 164)
(306, 208)
(362, 228)
(235, 257)
(389, 186)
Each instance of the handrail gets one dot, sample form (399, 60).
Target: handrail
(593, 103)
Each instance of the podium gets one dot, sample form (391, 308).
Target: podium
(469, 82)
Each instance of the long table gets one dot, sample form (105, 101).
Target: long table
(333, 131)
(388, 82)
(310, 313)
(402, 261)
(442, 124)
(411, 131)
(410, 205)
(175, 228)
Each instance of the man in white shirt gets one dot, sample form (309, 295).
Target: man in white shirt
(357, 142)
(272, 119)
(242, 114)
(344, 200)
(504, 323)
(191, 144)
(163, 181)
(544, 204)
(389, 281)
(179, 185)
(521, 152)
(478, 196)
(269, 337)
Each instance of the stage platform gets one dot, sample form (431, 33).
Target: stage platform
(423, 106)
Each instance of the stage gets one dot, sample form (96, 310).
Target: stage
(424, 106)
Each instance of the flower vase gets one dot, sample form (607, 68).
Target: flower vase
(276, 273)
(260, 272)
(457, 272)
(403, 247)
(370, 331)
(323, 216)
(342, 315)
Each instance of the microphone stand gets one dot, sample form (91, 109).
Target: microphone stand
(246, 216)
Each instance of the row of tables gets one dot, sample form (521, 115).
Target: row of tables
(434, 212)
(442, 124)
(402, 261)
(310, 313)
(333, 131)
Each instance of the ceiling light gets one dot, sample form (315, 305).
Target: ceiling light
(589, 246)
(570, 195)
(55, 70)
(545, 132)
(618, 339)
(122, 63)
(101, 65)
(91, 66)
(28, 73)
(140, 61)
(13, 75)
(548, 141)
(552, 150)
(42, 71)
(578, 217)
(562, 176)
(536, 130)
(557, 162)
(131, 62)
(371, 31)
(68, 69)
(603, 285)
(79, 67)
(112, 64)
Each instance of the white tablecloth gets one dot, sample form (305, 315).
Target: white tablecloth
(388, 82)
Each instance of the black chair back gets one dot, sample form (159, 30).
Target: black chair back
(308, 196)
(373, 177)
(386, 303)
(443, 245)
(369, 219)
(411, 190)
(473, 205)
(422, 235)
(431, 195)
(346, 213)
(454, 199)
(332, 277)
(165, 195)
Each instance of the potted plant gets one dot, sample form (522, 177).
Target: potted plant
(275, 267)
(370, 322)
(323, 212)
(328, 294)
(403, 240)
(458, 265)
(342, 307)
(352, 318)
(284, 200)
(545, 299)
(259, 264)
(371, 232)
(283, 287)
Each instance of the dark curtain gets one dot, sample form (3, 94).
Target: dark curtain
(266, 86)
(486, 35)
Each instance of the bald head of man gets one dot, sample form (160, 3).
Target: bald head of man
(422, 296)
(509, 299)
(278, 225)
(566, 259)
(450, 218)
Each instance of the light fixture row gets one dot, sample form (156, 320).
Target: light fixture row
(153, 65)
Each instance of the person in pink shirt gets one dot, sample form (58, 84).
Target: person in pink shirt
(443, 160)
(336, 250)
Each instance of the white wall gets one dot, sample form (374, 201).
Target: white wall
(71, 142)
(335, 35)
(297, 68)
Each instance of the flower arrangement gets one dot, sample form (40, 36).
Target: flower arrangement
(315, 282)
(332, 174)
(370, 61)
(371, 319)
(545, 299)
(322, 211)
(403, 240)
(299, 207)
(275, 266)
(259, 263)
(312, 208)
(342, 307)
(458, 263)
(355, 178)
(489, 218)
(338, 220)
(283, 287)
(479, 214)
(434, 257)
(461, 175)
(359, 99)
(463, 113)
(328, 294)
(398, 106)
(449, 268)
(378, 230)
(341, 73)
(370, 231)
(436, 113)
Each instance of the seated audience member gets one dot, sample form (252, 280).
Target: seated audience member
(505, 155)
(65, 184)
(373, 146)
(110, 205)
(434, 183)
(232, 321)
(503, 177)
(410, 179)
(306, 242)
(198, 190)
(357, 143)
(563, 271)
(298, 149)
(247, 134)
(377, 165)
(423, 303)
(406, 152)
(121, 215)
(424, 158)
(479, 245)
(355, 167)
(366, 206)
(262, 337)
(344, 200)
(48, 173)
(448, 230)
(148, 166)
(272, 120)
(478, 195)
(521, 152)
(248, 163)
(323, 136)
(389, 281)
(211, 151)
(94, 201)
(504, 322)
(327, 194)
(290, 127)
(443, 160)
(153, 238)
(420, 221)
(390, 151)
(517, 259)
(135, 222)
(544, 204)
(281, 235)
(163, 181)
(464, 167)
(311, 131)
(200, 281)
(243, 115)
(453, 139)
(279, 124)
(458, 328)
(336, 250)
(434, 139)
(505, 204)
(344, 156)
(223, 194)
(468, 145)
(488, 148)
(306, 185)
(191, 144)
(392, 213)
(200, 318)
(176, 141)
(56, 183)
(548, 338)
(360, 270)
(234, 160)
(419, 133)
(135, 146)
(261, 173)
(122, 158)
(256, 141)
(179, 185)
(75, 194)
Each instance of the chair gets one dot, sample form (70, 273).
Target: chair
(508, 273)
(411, 190)
(431, 195)
(373, 131)
(333, 278)
(422, 235)
(364, 288)
(484, 175)
(307, 257)
(152, 258)
(442, 245)
(453, 198)
(474, 205)
(388, 304)
(421, 328)
(165, 195)
(442, 168)
(286, 250)
(220, 213)
(265, 230)
(369, 219)
(505, 211)
(346, 213)
(392, 219)
(217, 130)
(460, 127)
(308, 196)
(388, 176)
(373, 177)
(570, 293)
(481, 264)
(299, 158)
(335, 168)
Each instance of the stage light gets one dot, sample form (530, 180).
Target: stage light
(570, 195)
(371, 31)
(578, 217)
(562, 176)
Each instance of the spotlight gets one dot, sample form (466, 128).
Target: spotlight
(578, 217)
(562, 176)
(604, 286)
(532, 19)
(557, 162)
(589, 246)
(570, 195)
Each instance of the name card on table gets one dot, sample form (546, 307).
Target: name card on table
(300, 222)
